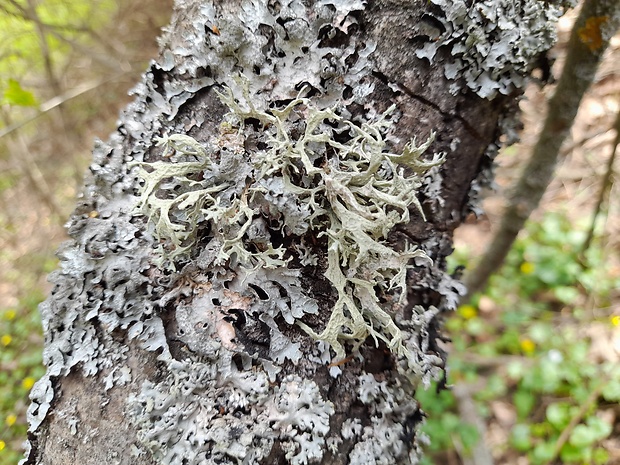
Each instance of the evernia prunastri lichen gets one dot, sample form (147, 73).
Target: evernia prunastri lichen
(314, 173)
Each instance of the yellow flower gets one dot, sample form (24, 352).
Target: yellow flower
(28, 382)
(527, 267)
(11, 419)
(10, 314)
(468, 312)
(2, 444)
(528, 346)
(6, 340)
(615, 320)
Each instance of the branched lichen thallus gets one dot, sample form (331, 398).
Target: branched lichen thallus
(315, 171)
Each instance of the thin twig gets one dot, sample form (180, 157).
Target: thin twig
(29, 168)
(594, 395)
(464, 455)
(59, 28)
(480, 454)
(482, 361)
(59, 100)
(106, 60)
(579, 71)
(63, 122)
(605, 186)
(45, 51)
(584, 140)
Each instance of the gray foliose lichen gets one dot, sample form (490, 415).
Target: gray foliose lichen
(206, 239)
(493, 44)
(490, 48)
(319, 188)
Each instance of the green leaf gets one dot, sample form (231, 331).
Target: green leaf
(524, 401)
(495, 387)
(549, 276)
(566, 294)
(516, 370)
(600, 456)
(593, 431)
(451, 422)
(454, 325)
(570, 453)
(440, 438)
(426, 461)
(520, 437)
(541, 430)
(545, 377)
(510, 341)
(559, 415)
(541, 332)
(543, 452)
(611, 392)
(581, 436)
(476, 327)
(469, 436)
(14, 94)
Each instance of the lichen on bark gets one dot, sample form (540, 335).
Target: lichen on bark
(276, 209)
(336, 177)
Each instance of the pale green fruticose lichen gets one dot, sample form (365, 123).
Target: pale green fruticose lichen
(339, 174)
(196, 203)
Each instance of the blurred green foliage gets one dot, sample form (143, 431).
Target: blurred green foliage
(526, 342)
(15, 95)
(23, 54)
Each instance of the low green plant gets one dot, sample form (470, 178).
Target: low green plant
(443, 425)
(20, 367)
(529, 327)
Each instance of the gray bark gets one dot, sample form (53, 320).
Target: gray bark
(264, 321)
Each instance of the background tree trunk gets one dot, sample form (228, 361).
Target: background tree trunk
(159, 354)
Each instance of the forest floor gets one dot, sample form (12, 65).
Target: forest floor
(534, 354)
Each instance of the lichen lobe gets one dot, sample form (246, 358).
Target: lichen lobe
(492, 44)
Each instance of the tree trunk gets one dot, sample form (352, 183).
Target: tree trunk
(248, 280)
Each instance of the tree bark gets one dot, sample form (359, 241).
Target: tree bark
(232, 291)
